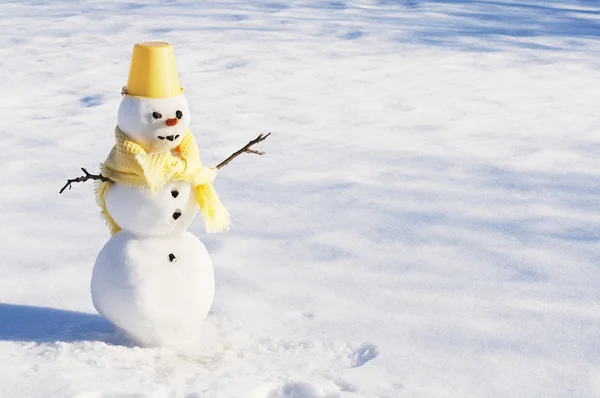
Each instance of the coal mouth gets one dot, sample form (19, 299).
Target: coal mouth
(168, 137)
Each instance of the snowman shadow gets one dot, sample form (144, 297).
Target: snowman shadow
(26, 323)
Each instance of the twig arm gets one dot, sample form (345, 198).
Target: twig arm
(245, 149)
(87, 176)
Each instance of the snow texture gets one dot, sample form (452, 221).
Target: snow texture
(425, 222)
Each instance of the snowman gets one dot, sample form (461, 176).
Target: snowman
(153, 279)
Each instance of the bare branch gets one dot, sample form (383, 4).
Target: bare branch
(87, 176)
(246, 149)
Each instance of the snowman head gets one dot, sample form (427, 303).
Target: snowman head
(154, 112)
(156, 124)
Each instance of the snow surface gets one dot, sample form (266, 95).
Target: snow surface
(425, 223)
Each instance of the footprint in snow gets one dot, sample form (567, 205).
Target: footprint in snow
(90, 101)
(364, 354)
(305, 389)
(295, 390)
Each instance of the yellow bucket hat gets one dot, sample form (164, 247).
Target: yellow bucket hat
(153, 73)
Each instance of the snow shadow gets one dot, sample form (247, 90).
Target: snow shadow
(502, 23)
(469, 25)
(44, 325)
(458, 23)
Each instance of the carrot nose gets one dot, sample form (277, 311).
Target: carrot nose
(172, 122)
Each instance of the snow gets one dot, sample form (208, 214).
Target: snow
(424, 223)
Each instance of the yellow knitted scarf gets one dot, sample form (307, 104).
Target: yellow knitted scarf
(129, 164)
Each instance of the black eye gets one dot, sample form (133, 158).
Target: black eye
(156, 115)
(179, 114)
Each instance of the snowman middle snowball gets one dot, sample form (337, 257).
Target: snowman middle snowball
(153, 279)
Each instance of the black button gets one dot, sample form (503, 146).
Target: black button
(176, 215)
(171, 257)
(175, 193)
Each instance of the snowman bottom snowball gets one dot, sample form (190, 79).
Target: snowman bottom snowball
(158, 290)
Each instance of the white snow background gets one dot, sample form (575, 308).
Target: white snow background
(425, 222)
